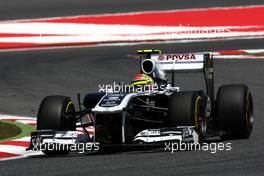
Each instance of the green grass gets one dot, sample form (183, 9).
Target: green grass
(259, 54)
(14, 130)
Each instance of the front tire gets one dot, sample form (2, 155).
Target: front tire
(234, 108)
(186, 109)
(56, 113)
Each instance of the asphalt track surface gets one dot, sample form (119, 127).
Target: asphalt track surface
(27, 77)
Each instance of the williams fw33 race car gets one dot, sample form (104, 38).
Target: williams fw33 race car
(151, 110)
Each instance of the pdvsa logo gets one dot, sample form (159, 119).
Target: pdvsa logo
(179, 57)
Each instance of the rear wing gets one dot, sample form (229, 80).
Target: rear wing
(156, 64)
(179, 62)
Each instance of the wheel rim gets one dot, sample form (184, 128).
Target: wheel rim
(249, 112)
(200, 123)
(69, 110)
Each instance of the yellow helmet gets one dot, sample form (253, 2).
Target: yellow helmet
(141, 79)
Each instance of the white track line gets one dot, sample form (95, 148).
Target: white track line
(18, 150)
(79, 33)
(14, 117)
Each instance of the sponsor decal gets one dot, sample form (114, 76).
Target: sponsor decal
(179, 57)
(154, 132)
(161, 57)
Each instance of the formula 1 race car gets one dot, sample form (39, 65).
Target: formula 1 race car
(153, 110)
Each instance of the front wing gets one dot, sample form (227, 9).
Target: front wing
(185, 134)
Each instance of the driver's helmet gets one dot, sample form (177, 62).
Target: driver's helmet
(142, 80)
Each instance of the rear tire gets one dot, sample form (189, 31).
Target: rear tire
(234, 108)
(55, 113)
